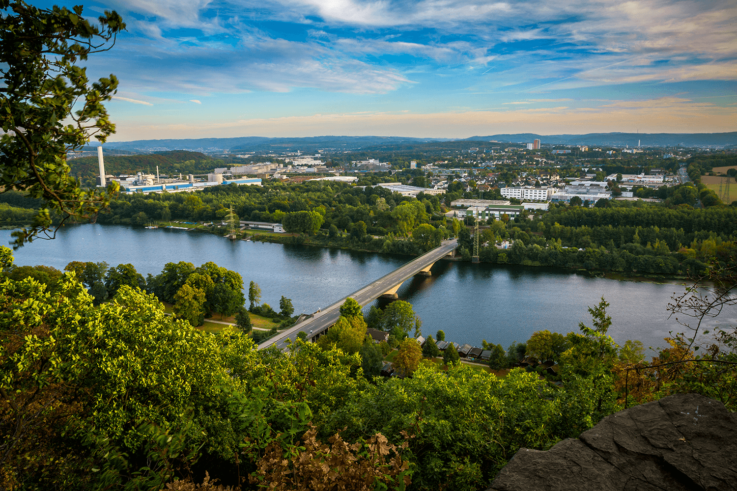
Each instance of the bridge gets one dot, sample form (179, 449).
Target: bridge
(386, 286)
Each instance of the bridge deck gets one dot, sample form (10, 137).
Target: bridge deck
(320, 321)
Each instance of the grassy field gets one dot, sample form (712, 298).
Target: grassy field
(723, 170)
(714, 182)
(256, 320)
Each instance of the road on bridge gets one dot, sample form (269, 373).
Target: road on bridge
(320, 321)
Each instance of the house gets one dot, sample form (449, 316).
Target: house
(486, 355)
(420, 340)
(464, 350)
(387, 369)
(475, 353)
(377, 336)
(442, 345)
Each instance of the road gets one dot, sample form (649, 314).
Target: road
(320, 321)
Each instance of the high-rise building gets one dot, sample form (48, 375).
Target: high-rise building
(530, 146)
(536, 144)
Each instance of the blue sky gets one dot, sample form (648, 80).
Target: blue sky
(435, 68)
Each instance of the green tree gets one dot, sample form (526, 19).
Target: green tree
(243, 320)
(576, 201)
(188, 305)
(49, 107)
(172, 278)
(98, 292)
(408, 357)
(225, 300)
(372, 360)
(351, 309)
(498, 359)
(450, 355)
(426, 237)
(254, 294)
(285, 306)
(348, 334)
(440, 335)
(398, 315)
(332, 231)
(123, 274)
(430, 348)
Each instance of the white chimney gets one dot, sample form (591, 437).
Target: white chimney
(158, 181)
(101, 162)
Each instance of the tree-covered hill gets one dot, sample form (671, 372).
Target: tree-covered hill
(175, 161)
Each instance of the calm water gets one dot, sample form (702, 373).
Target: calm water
(469, 302)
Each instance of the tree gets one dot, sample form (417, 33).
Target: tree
(372, 359)
(348, 334)
(285, 306)
(409, 356)
(172, 278)
(430, 348)
(576, 201)
(98, 292)
(426, 237)
(398, 315)
(373, 319)
(225, 300)
(498, 359)
(545, 345)
(332, 231)
(440, 335)
(243, 320)
(188, 305)
(359, 230)
(603, 203)
(123, 274)
(49, 108)
(450, 355)
(351, 309)
(254, 294)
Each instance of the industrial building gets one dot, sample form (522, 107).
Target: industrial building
(405, 190)
(527, 193)
(465, 203)
(149, 183)
(586, 190)
(486, 212)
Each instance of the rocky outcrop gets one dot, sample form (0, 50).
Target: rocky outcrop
(681, 442)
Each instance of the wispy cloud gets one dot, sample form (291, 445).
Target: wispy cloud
(134, 101)
(195, 101)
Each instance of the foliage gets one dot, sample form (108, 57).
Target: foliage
(348, 334)
(430, 348)
(123, 275)
(450, 355)
(398, 315)
(408, 358)
(286, 309)
(188, 305)
(440, 335)
(49, 107)
(545, 345)
(254, 294)
(243, 320)
(375, 464)
(351, 308)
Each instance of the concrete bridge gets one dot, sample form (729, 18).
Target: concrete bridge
(317, 324)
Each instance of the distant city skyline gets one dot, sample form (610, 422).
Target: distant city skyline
(427, 68)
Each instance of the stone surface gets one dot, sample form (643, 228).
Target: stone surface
(681, 442)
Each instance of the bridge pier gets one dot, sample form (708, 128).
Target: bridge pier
(425, 271)
(392, 294)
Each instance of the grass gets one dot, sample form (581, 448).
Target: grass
(732, 190)
(256, 320)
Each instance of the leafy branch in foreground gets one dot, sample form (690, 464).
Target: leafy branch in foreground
(48, 108)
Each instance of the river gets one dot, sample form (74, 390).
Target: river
(470, 302)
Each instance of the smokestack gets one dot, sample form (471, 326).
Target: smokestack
(158, 181)
(101, 162)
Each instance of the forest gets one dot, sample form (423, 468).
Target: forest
(114, 393)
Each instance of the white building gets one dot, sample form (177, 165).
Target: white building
(586, 190)
(637, 179)
(346, 179)
(413, 191)
(527, 193)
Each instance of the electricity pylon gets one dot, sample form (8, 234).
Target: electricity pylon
(475, 257)
(724, 190)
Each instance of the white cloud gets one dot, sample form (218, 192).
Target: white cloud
(134, 101)
(195, 101)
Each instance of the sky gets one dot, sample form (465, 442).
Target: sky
(424, 68)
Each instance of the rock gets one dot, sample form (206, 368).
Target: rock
(681, 442)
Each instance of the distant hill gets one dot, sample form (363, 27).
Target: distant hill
(169, 163)
(623, 139)
(336, 143)
(263, 144)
